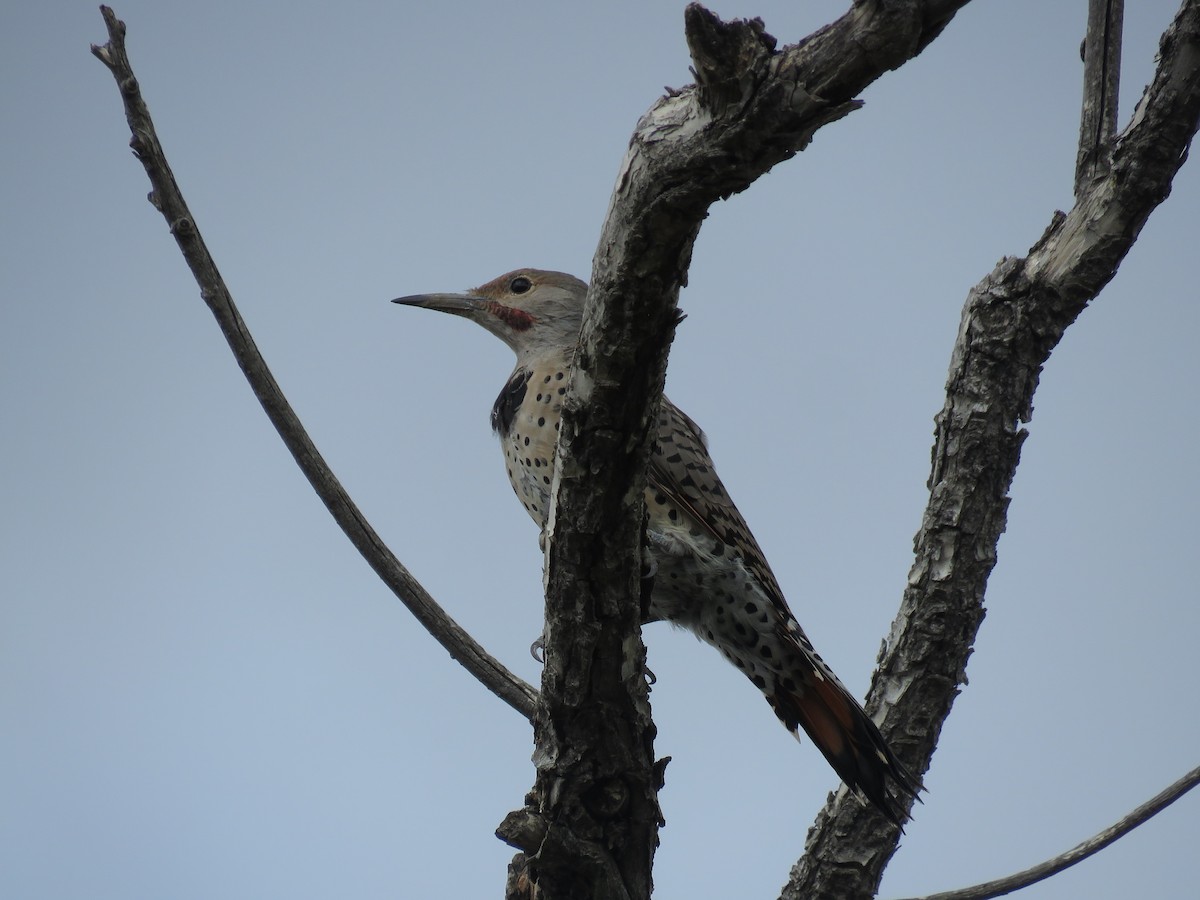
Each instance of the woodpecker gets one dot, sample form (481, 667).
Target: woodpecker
(710, 575)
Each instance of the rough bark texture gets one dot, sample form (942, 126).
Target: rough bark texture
(1012, 320)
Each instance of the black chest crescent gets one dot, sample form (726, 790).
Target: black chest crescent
(504, 410)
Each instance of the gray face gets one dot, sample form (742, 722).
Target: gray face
(534, 311)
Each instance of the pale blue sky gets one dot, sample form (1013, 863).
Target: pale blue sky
(205, 693)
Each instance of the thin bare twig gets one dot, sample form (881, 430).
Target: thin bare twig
(1078, 853)
(168, 199)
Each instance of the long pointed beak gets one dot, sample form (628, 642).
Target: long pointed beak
(456, 304)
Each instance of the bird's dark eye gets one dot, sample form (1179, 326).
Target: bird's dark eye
(520, 284)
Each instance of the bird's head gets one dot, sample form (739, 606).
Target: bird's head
(531, 310)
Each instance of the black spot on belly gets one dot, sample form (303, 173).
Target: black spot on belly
(505, 408)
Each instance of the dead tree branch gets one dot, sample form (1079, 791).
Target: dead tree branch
(168, 200)
(1011, 322)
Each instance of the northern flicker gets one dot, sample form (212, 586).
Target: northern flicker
(710, 575)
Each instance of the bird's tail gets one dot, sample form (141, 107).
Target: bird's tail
(850, 741)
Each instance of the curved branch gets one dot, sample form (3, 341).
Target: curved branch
(168, 199)
(1078, 853)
